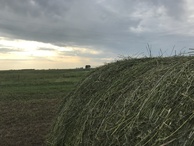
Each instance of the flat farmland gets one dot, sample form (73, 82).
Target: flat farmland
(29, 101)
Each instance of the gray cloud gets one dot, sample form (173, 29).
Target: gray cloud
(46, 49)
(120, 27)
(175, 9)
(8, 50)
(5, 50)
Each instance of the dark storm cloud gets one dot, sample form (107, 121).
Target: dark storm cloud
(121, 27)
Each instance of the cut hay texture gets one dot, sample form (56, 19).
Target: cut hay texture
(133, 102)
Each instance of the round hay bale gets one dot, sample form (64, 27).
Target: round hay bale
(133, 102)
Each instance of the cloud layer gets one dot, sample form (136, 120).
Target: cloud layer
(110, 27)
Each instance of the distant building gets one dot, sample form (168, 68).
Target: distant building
(87, 66)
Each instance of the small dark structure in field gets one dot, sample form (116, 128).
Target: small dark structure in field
(133, 102)
(87, 66)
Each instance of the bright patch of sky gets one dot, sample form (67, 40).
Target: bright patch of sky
(25, 48)
(21, 54)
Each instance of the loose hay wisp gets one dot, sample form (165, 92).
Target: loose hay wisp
(134, 102)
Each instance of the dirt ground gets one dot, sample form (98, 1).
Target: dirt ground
(26, 123)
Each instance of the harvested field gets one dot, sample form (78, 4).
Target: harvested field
(136, 102)
(26, 122)
(29, 101)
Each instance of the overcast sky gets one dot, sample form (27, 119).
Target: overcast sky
(46, 34)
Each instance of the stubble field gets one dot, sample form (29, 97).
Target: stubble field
(29, 100)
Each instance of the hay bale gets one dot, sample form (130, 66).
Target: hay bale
(147, 101)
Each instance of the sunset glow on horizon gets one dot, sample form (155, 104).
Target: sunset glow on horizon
(23, 54)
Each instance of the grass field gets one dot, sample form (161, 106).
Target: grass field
(29, 100)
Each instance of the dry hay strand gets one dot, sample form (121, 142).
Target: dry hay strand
(136, 102)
